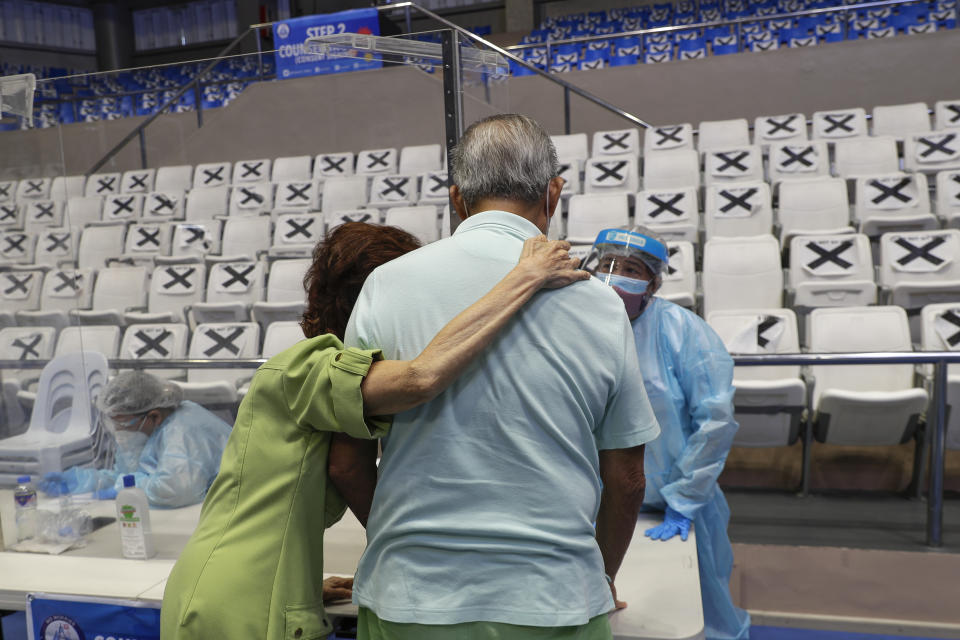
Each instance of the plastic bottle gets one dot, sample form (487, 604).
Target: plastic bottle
(25, 503)
(133, 516)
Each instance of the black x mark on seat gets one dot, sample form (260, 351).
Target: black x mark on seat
(153, 345)
(841, 122)
(179, 277)
(829, 255)
(925, 252)
(222, 342)
(17, 284)
(895, 191)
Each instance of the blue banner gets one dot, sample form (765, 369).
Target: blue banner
(293, 58)
(81, 618)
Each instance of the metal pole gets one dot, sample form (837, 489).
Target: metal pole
(452, 101)
(935, 501)
(566, 111)
(259, 55)
(198, 103)
(406, 11)
(143, 150)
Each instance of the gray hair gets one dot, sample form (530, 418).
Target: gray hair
(507, 156)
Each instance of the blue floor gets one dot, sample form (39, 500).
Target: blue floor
(783, 633)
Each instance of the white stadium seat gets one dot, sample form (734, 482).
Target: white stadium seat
(839, 124)
(102, 184)
(722, 134)
(670, 169)
(212, 174)
(614, 143)
(680, 277)
(948, 197)
(285, 296)
(174, 289)
(667, 138)
(893, 201)
(206, 203)
(176, 179)
(64, 290)
(333, 165)
(292, 168)
(138, 181)
(724, 165)
(742, 273)
(798, 160)
(789, 128)
(232, 289)
(344, 194)
(866, 156)
(930, 152)
(900, 120)
(611, 174)
(160, 341)
(66, 187)
(940, 331)
(813, 206)
(251, 199)
(946, 114)
(737, 209)
(246, 171)
(377, 161)
(673, 213)
(118, 290)
(420, 159)
(421, 222)
(589, 214)
(831, 271)
(392, 191)
(920, 268)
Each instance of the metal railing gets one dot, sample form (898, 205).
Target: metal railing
(407, 8)
(938, 405)
(736, 22)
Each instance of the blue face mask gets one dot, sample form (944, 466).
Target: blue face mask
(633, 292)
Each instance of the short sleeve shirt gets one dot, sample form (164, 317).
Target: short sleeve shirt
(487, 495)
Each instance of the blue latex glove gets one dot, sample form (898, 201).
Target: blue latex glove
(673, 523)
(105, 494)
(57, 484)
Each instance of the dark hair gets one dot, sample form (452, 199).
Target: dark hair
(341, 263)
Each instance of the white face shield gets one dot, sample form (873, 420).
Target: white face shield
(628, 262)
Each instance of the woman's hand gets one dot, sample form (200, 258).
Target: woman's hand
(548, 262)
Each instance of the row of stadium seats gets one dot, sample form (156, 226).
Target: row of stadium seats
(720, 39)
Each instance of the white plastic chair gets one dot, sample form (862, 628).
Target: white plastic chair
(900, 120)
(342, 194)
(377, 161)
(103, 339)
(611, 174)
(173, 290)
(296, 234)
(146, 240)
(675, 168)
(946, 114)
(211, 174)
(245, 237)
(333, 165)
(724, 165)
(831, 271)
(939, 332)
(122, 207)
(57, 246)
(99, 243)
(253, 199)
(40, 214)
(572, 146)
(246, 171)
(818, 205)
(769, 401)
(232, 288)
(22, 343)
(292, 169)
(618, 142)
(196, 239)
(920, 268)
(297, 196)
(33, 189)
(164, 206)
(65, 187)
(434, 189)
(160, 341)
(930, 152)
(742, 273)
(82, 211)
(281, 336)
(176, 179)
(420, 159)
(948, 197)
(8, 191)
(17, 248)
(790, 128)
(737, 209)
(64, 290)
(798, 161)
(333, 219)
(138, 181)
(893, 201)
(64, 419)
(863, 405)
(673, 213)
(217, 388)
(589, 214)
(668, 137)
(285, 296)
(206, 203)
(392, 191)
(866, 156)
(839, 124)
(102, 184)
(722, 134)
(680, 277)
(118, 290)
(11, 216)
(19, 291)
(421, 222)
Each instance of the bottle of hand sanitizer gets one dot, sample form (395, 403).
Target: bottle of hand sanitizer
(133, 515)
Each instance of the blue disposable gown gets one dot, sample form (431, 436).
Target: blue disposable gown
(179, 461)
(688, 375)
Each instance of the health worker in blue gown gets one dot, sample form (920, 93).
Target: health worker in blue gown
(688, 376)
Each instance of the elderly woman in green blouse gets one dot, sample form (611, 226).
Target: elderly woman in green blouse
(254, 566)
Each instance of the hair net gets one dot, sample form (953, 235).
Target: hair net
(134, 392)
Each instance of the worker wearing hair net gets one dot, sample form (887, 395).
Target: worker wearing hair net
(170, 445)
(688, 376)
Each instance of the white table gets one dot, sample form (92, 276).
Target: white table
(658, 580)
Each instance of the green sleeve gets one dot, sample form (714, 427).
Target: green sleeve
(322, 391)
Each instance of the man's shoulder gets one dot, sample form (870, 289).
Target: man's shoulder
(425, 258)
